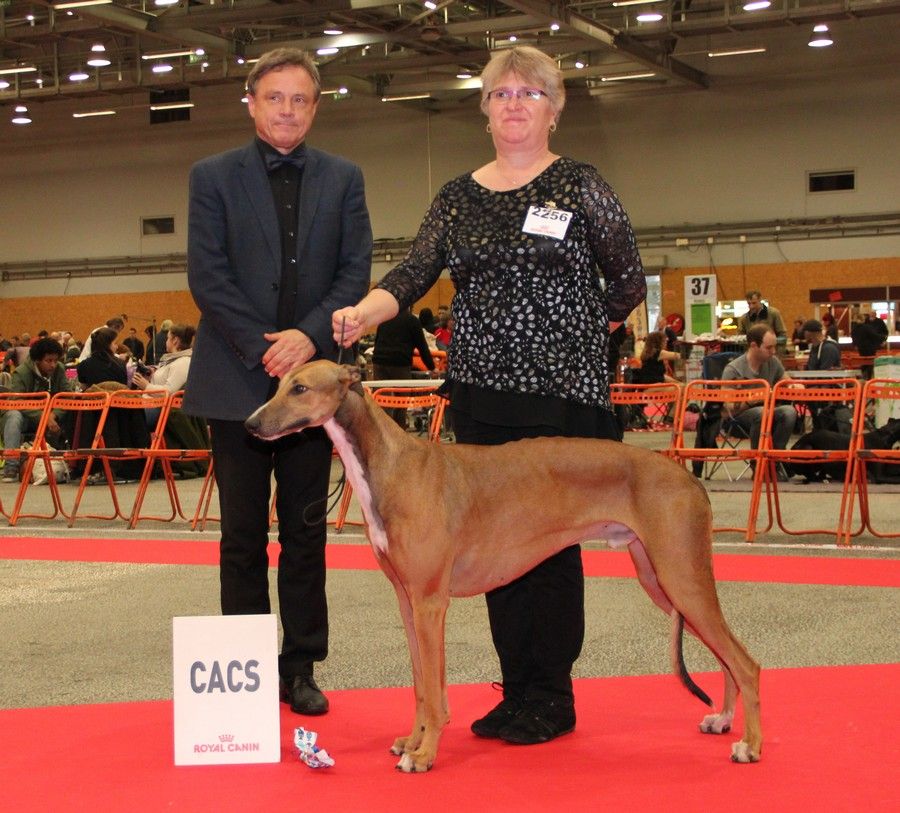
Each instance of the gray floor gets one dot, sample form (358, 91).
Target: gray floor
(77, 632)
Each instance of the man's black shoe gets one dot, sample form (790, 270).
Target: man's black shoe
(497, 718)
(304, 695)
(540, 720)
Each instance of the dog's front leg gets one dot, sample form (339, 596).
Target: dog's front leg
(402, 744)
(428, 615)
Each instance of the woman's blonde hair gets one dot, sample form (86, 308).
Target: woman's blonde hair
(531, 66)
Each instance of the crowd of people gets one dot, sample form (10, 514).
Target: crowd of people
(55, 362)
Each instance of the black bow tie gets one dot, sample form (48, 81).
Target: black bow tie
(277, 160)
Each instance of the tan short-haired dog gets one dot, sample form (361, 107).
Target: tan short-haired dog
(481, 534)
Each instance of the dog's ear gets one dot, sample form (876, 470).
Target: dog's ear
(355, 379)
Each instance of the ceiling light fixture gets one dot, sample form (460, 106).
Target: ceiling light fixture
(171, 106)
(79, 75)
(165, 2)
(341, 91)
(554, 26)
(89, 113)
(82, 4)
(333, 32)
(579, 64)
(464, 75)
(757, 5)
(430, 5)
(737, 51)
(407, 98)
(162, 67)
(625, 76)
(821, 37)
(326, 51)
(651, 16)
(21, 116)
(99, 59)
(20, 69)
(3, 84)
(633, 2)
(173, 54)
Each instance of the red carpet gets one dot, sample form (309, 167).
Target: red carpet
(728, 567)
(831, 745)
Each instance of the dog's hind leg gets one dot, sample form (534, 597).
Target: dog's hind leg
(702, 613)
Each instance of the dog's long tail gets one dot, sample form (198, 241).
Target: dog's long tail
(677, 654)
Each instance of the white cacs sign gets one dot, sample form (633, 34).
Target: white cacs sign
(225, 688)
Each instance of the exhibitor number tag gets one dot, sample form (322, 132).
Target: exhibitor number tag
(547, 222)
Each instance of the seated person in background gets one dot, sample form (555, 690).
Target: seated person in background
(798, 338)
(662, 326)
(830, 325)
(444, 332)
(134, 344)
(653, 358)
(104, 368)
(869, 334)
(395, 341)
(760, 362)
(115, 323)
(41, 371)
(72, 351)
(172, 372)
(824, 352)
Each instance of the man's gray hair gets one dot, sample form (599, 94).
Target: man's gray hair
(277, 59)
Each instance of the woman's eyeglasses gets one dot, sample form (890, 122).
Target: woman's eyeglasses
(505, 95)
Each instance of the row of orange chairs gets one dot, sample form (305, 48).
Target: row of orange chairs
(664, 404)
(94, 452)
(765, 461)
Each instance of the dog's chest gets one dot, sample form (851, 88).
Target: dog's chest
(357, 478)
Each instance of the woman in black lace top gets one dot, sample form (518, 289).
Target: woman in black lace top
(543, 259)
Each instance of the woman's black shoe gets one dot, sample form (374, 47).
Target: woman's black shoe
(497, 719)
(540, 720)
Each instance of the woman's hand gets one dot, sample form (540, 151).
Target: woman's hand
(139, 381)
(348, 326)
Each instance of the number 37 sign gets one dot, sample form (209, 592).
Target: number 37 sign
(700, 299)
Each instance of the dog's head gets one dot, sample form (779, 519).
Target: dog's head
(307, 396)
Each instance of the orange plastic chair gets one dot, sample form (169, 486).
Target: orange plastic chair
(80, 403)
(10, 401)
(399, 398)
(201, 512)
(160, 454)
(655, 404)
(438, 356)
(876, 390)
(842, 391)
(704, 391)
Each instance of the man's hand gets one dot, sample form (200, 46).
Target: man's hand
(53, 427)
(290, 349)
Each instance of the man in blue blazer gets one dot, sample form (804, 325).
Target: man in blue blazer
(278, 238)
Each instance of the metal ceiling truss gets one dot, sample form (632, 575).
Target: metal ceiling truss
(383, 44)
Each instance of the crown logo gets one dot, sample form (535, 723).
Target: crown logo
(226, 737)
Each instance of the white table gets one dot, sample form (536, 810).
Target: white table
(397, 383)
(824, 374)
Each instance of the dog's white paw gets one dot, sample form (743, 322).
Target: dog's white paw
(408, 764)
(740, 752)
(717, 723)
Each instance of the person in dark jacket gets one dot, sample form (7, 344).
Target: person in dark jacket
(41, 371)
(395, 341)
